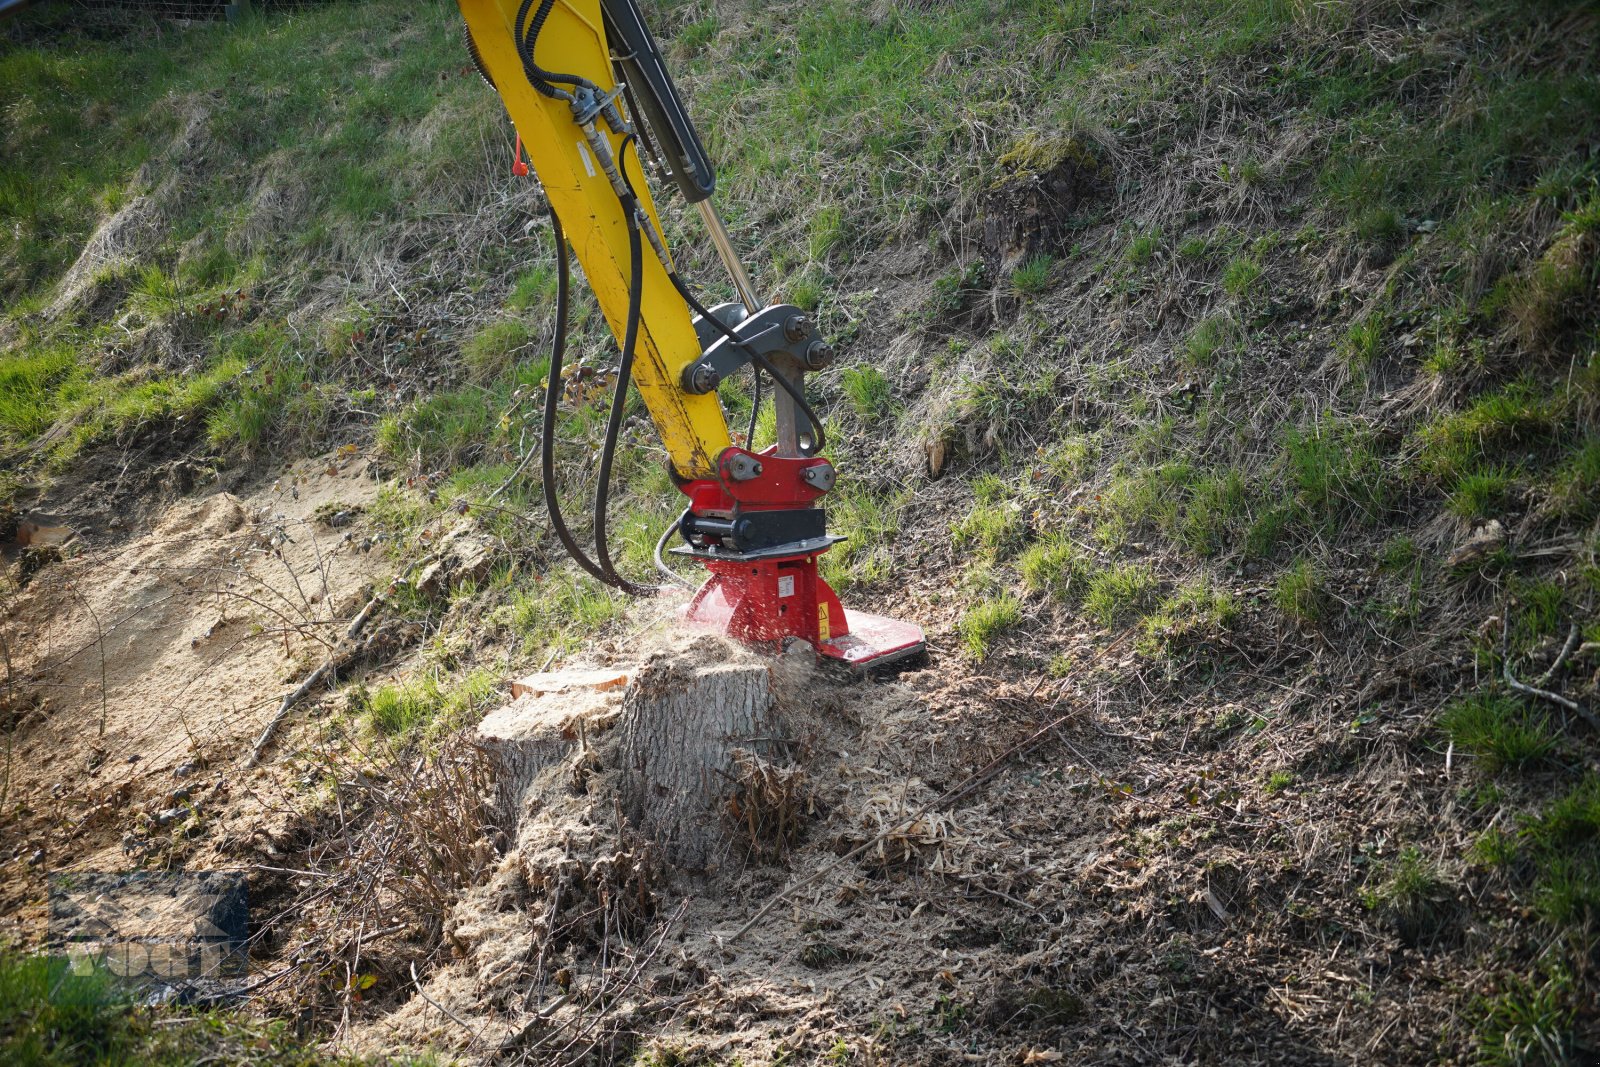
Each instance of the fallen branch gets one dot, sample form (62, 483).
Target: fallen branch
(1534, 691)
(974, 779)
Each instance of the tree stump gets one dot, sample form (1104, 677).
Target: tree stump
(682, 723)
(538, 731)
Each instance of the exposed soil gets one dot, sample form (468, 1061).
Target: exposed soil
(138, 668)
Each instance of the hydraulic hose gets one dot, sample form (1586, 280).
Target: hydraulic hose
(552, 397)
(619, 398)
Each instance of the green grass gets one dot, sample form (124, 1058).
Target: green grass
(1299, 593)
(1480, 493)
(1240, 276)
(52, 1016)
(1143, 248)
(1197, 612)
(986, 620)
(991, 529)
(1521, 414)
(1033, 277)
(1409, 894)
(1502, 731)
(1528, 1022)
(1119, 592)
(868, 391)
(426, 705)
(1335, 474)
(1055, 566)
(869, 520)
(1211, 336)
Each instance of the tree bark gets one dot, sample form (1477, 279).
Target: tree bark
(679, 729)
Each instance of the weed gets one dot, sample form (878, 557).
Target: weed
(1240, 276)
(1411, 895)
(1335, 473)
(1522, 413)
(982, 622)
(1068, 459)
(1120, 591)
(1279, 781)
(1033, 277)
(827, 232)
(534, 288)
(1480, 493)
(1363, 341)
(1215, 505)
(1494, 848)
(1528, 1023)
(867, 389)
(1299, 594)
(1055, 566)
(1566, 841)
(1398, 553)
(1196, 612)
(493, 349)
(1210, 336)
(1575, 489)
(1143, 248)
(1501, 730)
(869, 520)
(994, 529)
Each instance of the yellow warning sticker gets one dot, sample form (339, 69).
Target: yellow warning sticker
(823, 630)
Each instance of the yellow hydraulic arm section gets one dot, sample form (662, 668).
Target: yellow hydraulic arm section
(573, 40)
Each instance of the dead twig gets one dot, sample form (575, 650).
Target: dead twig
(1534, 691)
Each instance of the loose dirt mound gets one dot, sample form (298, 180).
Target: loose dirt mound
(134, 668)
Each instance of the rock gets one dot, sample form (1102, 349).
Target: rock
(184, 770)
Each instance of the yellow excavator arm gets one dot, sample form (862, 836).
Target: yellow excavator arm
(586, 88)
(573, 40)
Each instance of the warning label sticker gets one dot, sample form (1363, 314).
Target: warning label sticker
(786, 585)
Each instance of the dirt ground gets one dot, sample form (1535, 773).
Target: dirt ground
(140, 670)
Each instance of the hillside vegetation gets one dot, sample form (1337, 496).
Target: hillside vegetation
(1232, 369)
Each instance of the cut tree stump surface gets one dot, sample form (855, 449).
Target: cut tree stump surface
(567, 681)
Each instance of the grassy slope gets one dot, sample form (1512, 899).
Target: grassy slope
(1339, 306)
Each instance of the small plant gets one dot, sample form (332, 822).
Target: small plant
(1299, 594)
(994, 529)
(1240, 276)
(1054, 566)
(1279, 781)
(1120, 591)
(1500, 730)
(867, 389)
(1398, 553)
(1480, 493)
(1527, 1023)
(1412, 896)
(1195, 612)
(1210, 336)
(1363, 341)
(1033, 277)
(1143, 249)
(985, 621)
(1380, 226)
(493, 349)
(1494, 848)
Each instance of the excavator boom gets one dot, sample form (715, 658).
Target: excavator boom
(586, 88)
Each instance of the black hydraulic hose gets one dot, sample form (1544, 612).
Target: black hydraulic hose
(619, 398)
(661, 564)
(540, 77)
(552, 395)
